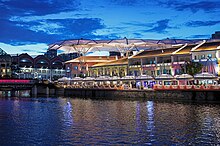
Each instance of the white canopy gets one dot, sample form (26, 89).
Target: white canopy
(103, 78)
(205, 75)
(164, 77)
(64, 79)
(76, 79)
(115, 78)
(144, 77)
(89, 79)
(128, 78)
(183, 76)
(120, 45)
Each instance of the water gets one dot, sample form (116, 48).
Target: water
(63, 121)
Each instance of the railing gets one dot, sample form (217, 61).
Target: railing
(186, 87)
(155, 87)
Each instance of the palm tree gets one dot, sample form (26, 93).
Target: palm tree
(191, 68)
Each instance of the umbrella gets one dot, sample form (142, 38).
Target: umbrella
(164, 77)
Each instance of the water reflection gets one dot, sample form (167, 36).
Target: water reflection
(150, 118)
(138, 119)
(67, 112)
(63, 121)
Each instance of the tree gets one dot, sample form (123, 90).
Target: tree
(191, 68)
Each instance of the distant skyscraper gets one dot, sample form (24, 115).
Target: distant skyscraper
(216, 35)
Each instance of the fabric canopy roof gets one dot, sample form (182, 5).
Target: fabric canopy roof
(84, 46)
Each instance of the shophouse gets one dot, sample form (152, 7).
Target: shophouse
(80, 66)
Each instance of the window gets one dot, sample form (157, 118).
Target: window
(27, 70)
(164, 71)
(152, 73)
(203, 57)
(195, 57)
(209, 55)
(75, 67)
(158, 72)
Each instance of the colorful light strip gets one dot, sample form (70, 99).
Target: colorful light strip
(16, 81)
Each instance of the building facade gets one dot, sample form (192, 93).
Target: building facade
(156, 62)
(5, 64)
(118, 67)
(80, 66)
(39, 67)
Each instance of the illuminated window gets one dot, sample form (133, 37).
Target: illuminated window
(152, 73)
(75, 67)
(27, 70)
(158, 72)
(209, 55)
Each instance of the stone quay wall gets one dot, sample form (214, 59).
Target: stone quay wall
(142, 94)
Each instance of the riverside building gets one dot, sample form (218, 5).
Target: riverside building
(5, 64)
(80, 66)
(39, 67)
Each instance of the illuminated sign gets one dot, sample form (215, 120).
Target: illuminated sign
(15, 81)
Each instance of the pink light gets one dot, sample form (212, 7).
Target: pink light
(14, 81)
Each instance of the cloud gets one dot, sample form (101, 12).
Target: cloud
(137, 35)
(159, 26)
(202, 23)
(10, 33)
(125, 2)
(30, 49)
(43, 50)
(132, 2)
(48, 31)
(80, 27)
(199, 37)
(37, 7)
(194, 6)
(138, 24)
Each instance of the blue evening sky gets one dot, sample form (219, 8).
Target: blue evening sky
(28, 26)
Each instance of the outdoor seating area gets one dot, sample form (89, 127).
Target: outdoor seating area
(201, 81)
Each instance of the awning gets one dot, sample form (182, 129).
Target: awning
(205, 75)
(144, 77)
(164, 77)
(183, 77)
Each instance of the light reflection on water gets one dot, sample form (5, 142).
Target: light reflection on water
(64, 121)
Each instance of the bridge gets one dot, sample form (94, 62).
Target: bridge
(16, 87)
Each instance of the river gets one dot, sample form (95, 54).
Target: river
(65, 121)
